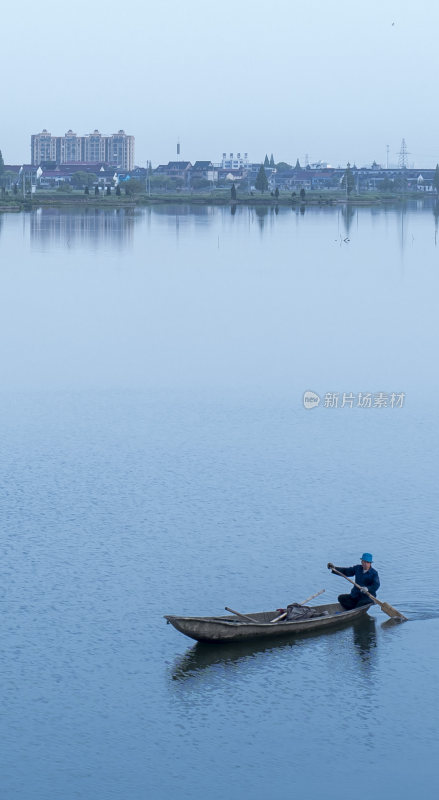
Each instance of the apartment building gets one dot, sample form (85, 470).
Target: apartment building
(234, 161)
(116, 150)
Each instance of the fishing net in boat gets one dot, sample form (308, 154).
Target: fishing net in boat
(296, 612)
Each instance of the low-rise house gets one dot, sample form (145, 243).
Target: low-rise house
(307, 179)
(394, 179)
(176, 169)
(204, 170)
(231, 174)
(65, 173)
(139, 173)
(293, 179)
(51, 178)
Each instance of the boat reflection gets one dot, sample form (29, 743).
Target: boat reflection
(204, 656)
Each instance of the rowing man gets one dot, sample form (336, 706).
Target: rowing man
(367, 578)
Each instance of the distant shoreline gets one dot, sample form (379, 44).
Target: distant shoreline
(52, 200)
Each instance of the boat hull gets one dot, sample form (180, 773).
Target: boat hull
(234, 629)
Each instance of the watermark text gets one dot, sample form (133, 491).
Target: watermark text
(354, 399)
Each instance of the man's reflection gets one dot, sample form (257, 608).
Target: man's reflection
(364, 635)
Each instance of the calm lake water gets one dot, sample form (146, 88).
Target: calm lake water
(157, 458)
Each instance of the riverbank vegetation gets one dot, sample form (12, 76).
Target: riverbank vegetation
(134, 195)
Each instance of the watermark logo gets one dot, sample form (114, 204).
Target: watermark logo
(355, 399)
(310, 399)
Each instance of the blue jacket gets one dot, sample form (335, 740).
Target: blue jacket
(369, 579)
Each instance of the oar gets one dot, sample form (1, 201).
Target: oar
(386, 607)
(243, 616)
(282, 616)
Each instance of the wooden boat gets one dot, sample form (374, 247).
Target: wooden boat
(234, 629)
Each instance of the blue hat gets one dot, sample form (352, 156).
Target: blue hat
(367, 557)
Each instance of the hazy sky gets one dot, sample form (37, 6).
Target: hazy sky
(335, 80)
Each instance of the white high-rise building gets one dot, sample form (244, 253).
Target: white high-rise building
(94, 148)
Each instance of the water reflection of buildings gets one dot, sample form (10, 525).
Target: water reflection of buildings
(91, 225)
(436, 220)
(348, 213)
(185, 210)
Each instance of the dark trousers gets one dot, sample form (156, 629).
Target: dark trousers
(348, 602)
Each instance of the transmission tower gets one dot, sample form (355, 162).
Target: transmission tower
(403, 153)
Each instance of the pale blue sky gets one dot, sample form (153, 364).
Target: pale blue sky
(336, 80)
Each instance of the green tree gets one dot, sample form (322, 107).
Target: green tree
(133, 186)
(169, 183)
(200, 183)
(276, 192)
(261, 182)
(282, 166)
(108, 190)
(7, 178)
(63, 186)
(302, 194)
(266, 161)
(81, 179)
(233, 192)
(436, 179)
(96, 190)
(86, 190)
(174, 183)
(401, 182)
(118, 190)
(297, 164)
(348, 180)
(272, 161)
(157, 181)
(386, 185)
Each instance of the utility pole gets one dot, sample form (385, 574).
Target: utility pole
(403, 153)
